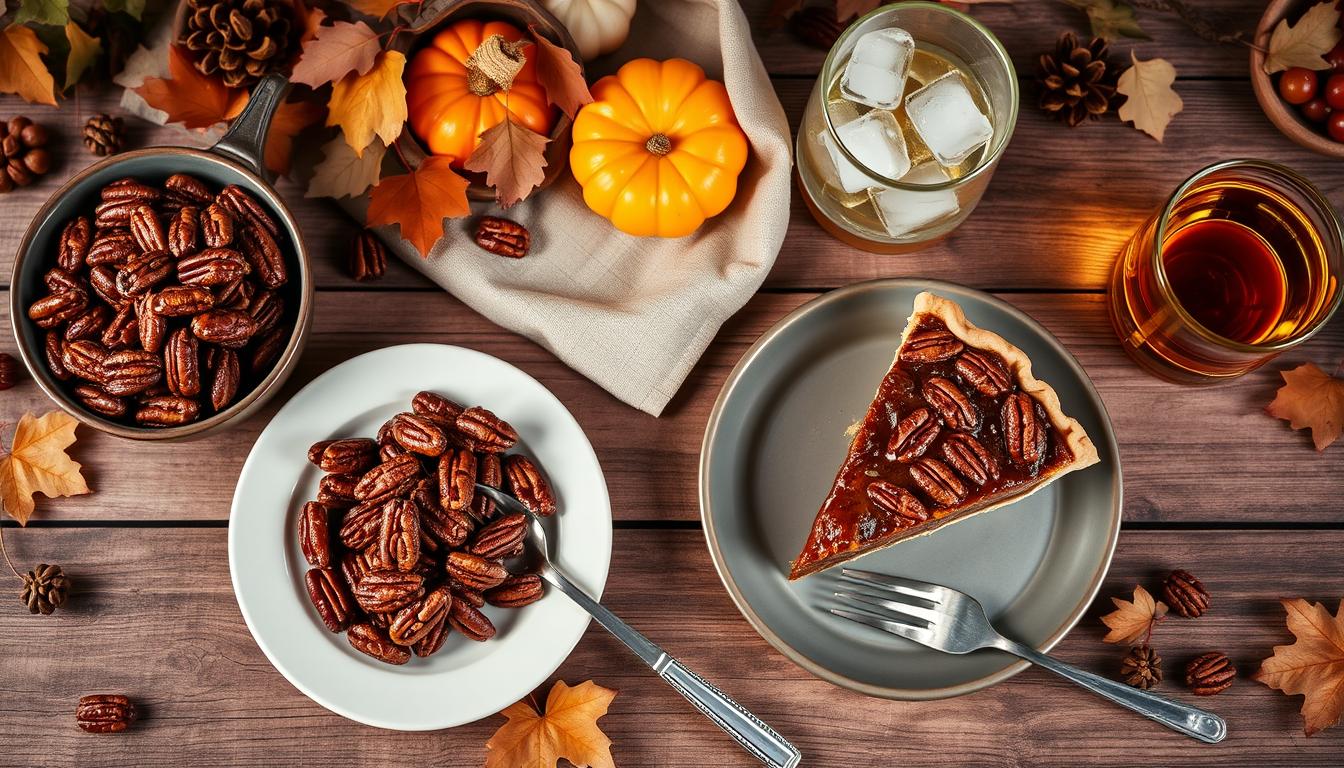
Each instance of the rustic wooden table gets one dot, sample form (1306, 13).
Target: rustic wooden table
(1212, 485)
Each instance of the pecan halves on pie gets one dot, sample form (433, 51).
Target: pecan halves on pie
(984, 371)
(953, 407)
(330, 598)
(915, 432)
(969, 458)
(1023, 432)
(930, 345)
(937, 481)
(895, 500)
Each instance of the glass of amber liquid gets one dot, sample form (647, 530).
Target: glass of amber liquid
(1242, 263)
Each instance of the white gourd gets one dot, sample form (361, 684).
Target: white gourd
(597, 26)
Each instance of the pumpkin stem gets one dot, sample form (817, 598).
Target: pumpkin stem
(658, 144)
(493, 65)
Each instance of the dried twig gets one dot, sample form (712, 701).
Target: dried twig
(1194, 20)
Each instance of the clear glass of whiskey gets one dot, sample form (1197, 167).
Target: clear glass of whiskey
(913, 109)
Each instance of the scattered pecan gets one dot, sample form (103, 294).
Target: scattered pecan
(503, 237)
(368, 258)
(1210, 673)
(105, 713)
(1185, 594)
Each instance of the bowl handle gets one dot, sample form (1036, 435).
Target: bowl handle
(245, 141)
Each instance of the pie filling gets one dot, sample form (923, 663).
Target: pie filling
(950, 433)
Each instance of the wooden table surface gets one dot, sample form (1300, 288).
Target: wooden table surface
(1212, 485)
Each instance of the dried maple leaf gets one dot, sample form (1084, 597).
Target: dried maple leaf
(335, 52)
(342, 173)
(513, 159)
(1312, 398)
(559, 75)
(375, 8)
(1131, 622)
(21, 67)
(1313, 666)
(189, 97)
(84, 51)
(568, 729)
(1304, 44)
(371, 104)
(37, 462)
(419, 201)
(1152, 102)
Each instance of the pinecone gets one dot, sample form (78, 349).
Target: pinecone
(1077, 82)
(23, 154)
(44, 589)
(241, 41)
(1142, 667)
(102, 135)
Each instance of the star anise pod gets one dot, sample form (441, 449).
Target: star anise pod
(1077, 81)
(1142, 667)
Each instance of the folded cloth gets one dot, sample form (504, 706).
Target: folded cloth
(635, 314)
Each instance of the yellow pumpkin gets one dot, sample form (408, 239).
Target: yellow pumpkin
(659, 150)
(449, 108)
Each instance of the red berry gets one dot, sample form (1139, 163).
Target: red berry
(1334, 91)
(1316, 110)
(1335, 126)
(1336, 56)
(1297, 85)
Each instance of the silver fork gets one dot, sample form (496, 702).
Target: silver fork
(751, 733)
(954, 622)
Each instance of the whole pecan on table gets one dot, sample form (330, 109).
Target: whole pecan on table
(368, 258)
(164, 302)
(402, 550)
(9, 371)
(1210, 673)
(503, 237)
(105, 713)
(1185, 594)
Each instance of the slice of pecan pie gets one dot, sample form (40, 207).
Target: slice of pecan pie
(959, 426)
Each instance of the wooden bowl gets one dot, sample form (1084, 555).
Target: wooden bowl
(521, 13)
(1283, 115)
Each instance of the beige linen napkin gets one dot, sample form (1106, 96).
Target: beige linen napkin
(635, 314)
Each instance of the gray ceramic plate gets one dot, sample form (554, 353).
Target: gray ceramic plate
(777, 436)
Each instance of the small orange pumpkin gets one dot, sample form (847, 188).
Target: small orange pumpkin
(450, 103)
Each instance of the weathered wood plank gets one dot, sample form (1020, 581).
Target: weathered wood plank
(166, 631)
(1190, 454)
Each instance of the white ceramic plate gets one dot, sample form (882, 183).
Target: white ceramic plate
(464, 681)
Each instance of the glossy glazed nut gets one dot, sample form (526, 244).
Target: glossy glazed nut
(184, 233)
(984, 371)
(1023, 433)
(938, 482)
(503, 237)
(385, 479)
(418, 435)
(151, 326)
(368, 258)
(434, 639)
(436, 408)
(449, 528)
(130, 372)
(360, 527)
(895, 500)
(122, 331)
(217, 226)
(385, 590)
(188, 187)
(516, 591)
(53, 350)
(464, 593)
(100, 402)
(399, 535)
(89, 324)
(354, 454)
(128, 189)
(1210, 673)
(181, 364)
(354, 567)
(235, 295)
(265, 256)
(113, 248)
(105, 713)
(951, 404)
(484, 431)
(315, 535)
(146, 229)
(457, 478)
(143, 273)
(969, 458)
(226, 327)
(224, 379)
(337, 491)
(212, 267)
(267, 309)
(915, 432)
(930, 346)
(54, 309)
(267, 350)
(333, 603)
(243, 206)
(57, 279)
(316, 450)
(373, 641)
(1185, 594)
(114, 213)
(528, 485)
(103, 280)
(411, 624)
(468, 620)
(500, 537)
(167, 411)
(489, 471)
(84, 359)
(475, 572)
(76, 238)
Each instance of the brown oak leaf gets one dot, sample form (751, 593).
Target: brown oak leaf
(1312, 398)
(559, 75)
(337, 51)
(371, 104)
(567, 729)
(513, 159)
(419, 201)
(1152, 101)
(312, 22)
(1313, 666)
(21, 67)
(1306, 43)
(37, 462)
(189, 97)
(1131, 622)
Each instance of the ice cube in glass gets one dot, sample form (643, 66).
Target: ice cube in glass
(876, 70)
(902, 211)
(874, 140)
(947, 119)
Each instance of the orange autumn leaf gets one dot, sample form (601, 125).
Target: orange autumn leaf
(559, 75)
(1313, 666)
(419, 201)
(37, 462)
(1311, 398)
(1131, 622)
(371, 104)
(375, 8)
(289, 120)
(513, 159)
(189, 97)
(567, 729)
(21, 67)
